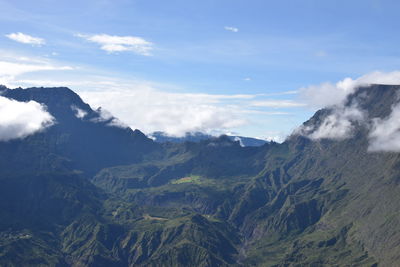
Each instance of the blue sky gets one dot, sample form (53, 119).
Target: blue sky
(216, 66)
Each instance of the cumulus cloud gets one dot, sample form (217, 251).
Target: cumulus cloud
(231, 29)
(25, 38)
(20, 119)
(385, 133)
(329, 94)
(113, 43)
(339, 124)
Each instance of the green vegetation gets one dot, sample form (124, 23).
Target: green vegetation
(193, 179)
(213, 203)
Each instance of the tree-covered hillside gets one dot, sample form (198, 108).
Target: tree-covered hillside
(88, 191)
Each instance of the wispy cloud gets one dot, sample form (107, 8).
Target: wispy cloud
(113, 43)
(231, 29)
(144, 105)
(26, 39)
(11, 68)
(278, 104)
(16, 68)
(20, 119)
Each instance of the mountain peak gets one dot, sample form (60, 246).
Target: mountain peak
(377, 99)
(50, 96)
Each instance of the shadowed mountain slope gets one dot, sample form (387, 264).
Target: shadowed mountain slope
(87, 144)
(306, 202)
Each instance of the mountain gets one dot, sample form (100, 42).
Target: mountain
(87, 143)
(162, 137)
(85, 192)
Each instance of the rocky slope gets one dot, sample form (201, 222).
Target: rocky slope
(126, 201)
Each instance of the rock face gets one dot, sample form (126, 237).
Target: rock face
(86, 193)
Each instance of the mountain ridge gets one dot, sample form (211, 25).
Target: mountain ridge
(306, 202)
(162, 137)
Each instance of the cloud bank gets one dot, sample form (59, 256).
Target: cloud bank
(26, 39)
(113, 43)
(174, 113)
(20, 119)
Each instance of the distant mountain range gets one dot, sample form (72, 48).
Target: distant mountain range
(88, 191)
(162, 137)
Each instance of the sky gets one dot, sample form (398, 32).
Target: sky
(254, 68)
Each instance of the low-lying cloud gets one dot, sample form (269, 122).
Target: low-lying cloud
(20, 119)
(174, 113)
(338, 125)
(79, 113)
(385, 133)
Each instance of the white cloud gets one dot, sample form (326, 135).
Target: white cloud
(113, 43)
(275, 136)
(20, 119)
(231, 29)
(329, 94)
(26, 39)
(338, 125)
(238, 139)
(13, 67)
(106, 116)
(278, 104)
(144, 105)
(79, 113)
(385, 133)
(152, 110)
